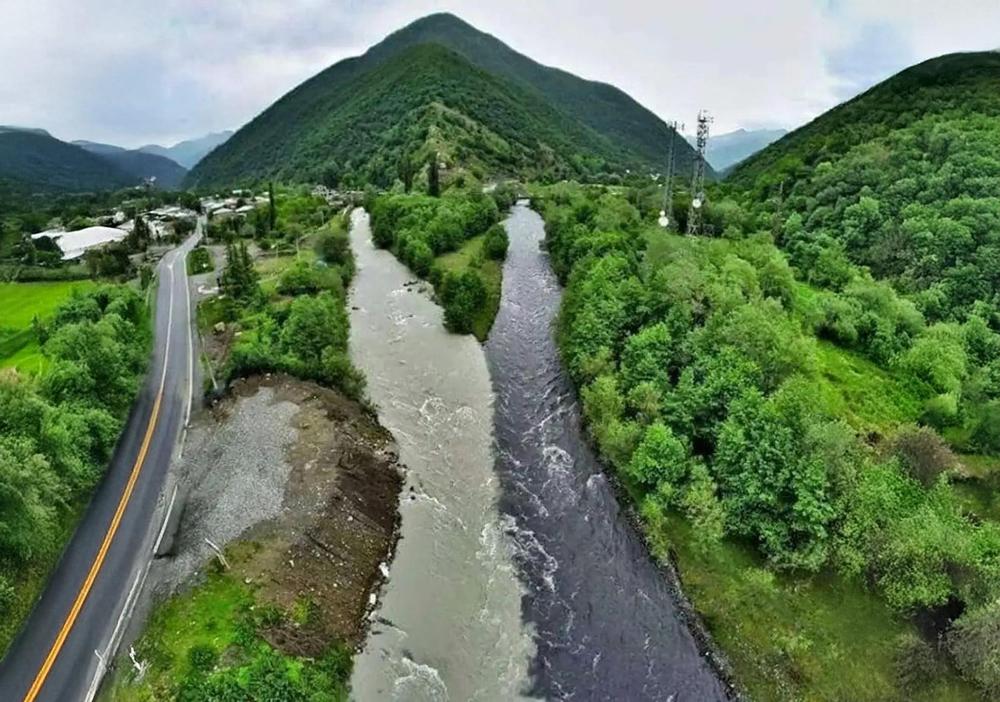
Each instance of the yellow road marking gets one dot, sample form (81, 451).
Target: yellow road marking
(95, 567)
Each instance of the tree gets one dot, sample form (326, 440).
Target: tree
(773, 489)
(272, 211)
(315, 324)
(660, 462)
(434, 176)
(333, 247)
(239, 279)
(406, 171)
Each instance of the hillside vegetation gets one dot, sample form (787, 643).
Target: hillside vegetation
(793, 427)
(602, 107)
(439, 87)
(903, 179)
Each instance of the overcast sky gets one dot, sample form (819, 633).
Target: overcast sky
(132, 72)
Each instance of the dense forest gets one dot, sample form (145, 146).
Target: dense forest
(803, 420)
(903, 179)
(439, 86)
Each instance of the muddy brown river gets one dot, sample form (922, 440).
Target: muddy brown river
(448, 626)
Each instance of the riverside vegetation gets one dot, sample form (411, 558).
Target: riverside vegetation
(792, 426)
(456, 242)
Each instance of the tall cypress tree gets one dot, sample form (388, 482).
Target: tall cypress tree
(272, 212)
(434, 177)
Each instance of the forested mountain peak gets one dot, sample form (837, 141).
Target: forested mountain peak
(345, 125)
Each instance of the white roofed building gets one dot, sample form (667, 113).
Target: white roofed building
(74, 244)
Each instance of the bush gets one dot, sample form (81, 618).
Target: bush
(923, 454)
(333, 247)
(7, 595)
(916, 663)
(496, 243)
(304, 278)
(974, 642)
(202, 657)
(463, 296)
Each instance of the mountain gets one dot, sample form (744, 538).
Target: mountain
(439, 85)
(188, 153)
(139, 164)
(903, 178)
(29, 130)
(728, 149)
(36, 162)
(602, 107)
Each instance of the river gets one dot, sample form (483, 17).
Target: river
(449, 623)
(518, 575)
(606, 624)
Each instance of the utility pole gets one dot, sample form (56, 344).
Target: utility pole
(698, 179)
(666, 212)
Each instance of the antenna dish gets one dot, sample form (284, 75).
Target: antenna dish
(696, 203)
(663, 220)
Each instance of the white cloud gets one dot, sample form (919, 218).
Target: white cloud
(131, 73)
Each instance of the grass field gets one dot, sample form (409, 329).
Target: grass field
(795, 638)
(20, 303)
(471, 256)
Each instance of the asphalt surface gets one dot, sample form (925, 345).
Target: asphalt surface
(58, 655)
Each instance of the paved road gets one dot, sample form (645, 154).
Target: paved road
(54, 658)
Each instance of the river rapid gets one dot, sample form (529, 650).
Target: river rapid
(449, 625)
(518, 575)
(607, 627)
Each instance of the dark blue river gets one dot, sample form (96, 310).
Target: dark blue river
(605, 623)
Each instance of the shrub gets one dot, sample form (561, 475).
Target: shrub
(202, 657)
(974, 642)
(922, 453)
(463, 295)
(915, 662)
(496, 243)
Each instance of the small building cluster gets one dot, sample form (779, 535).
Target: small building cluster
(240, 203)
(115, 228)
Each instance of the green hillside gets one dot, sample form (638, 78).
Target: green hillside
(34, 162)
(440, 85)
(904, 179)
(600, 106)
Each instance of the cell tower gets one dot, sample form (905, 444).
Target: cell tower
(698, 179)
(668, 188)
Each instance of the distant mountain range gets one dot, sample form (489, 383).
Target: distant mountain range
(33, 161)
(440, 86)
(728, 149)
(188, 153)
(141, 165)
